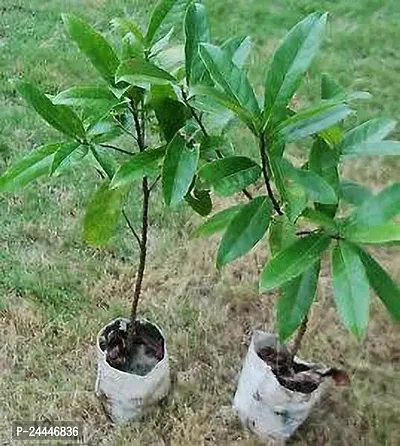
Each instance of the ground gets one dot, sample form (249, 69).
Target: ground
(55, 292)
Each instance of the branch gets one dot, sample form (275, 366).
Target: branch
(152, 186)
(264, 161)
(131, 228)
(117, 149)
(299, 338)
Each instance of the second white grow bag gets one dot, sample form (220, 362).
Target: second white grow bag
(126, 395)
(266, 407)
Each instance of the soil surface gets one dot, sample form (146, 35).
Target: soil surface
(295, 375)
(147, 350)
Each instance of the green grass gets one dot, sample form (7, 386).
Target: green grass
(56, 292)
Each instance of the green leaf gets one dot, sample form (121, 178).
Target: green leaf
(105, 160)
(383, 148)
(95, 102)
(229, 77)
(102, 215)
(282, 233)
(238, 49)
(158, 16)
(290, 63)
(293, 261)
(330, 88)
(93, 45)
(61, 117)
(128, 25)
(138, 72)
(384, 286)
(245, 230)
(211, 94)
(162, 44)
(104, 131)
(311, 121)
(62, 154)
(200, 201)
(378, 209)
(179, 169)
(217, 222)
(319, 218)
(324, 161)
(386, 232)
(197, 30)
(317, 188)
(295, 301)
(350, 288)
(354, 193)
(140, 165)
(231, 174)
(170, 113)
(365, 135)
(36, 164)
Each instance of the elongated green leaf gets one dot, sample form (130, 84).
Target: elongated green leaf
(231, 174)
(102, 215)
(282, 233)
(61, 117)
(93, 45)
(179, 169)
(158, 16)
(330, 88)
(324, 161)
(128, 25)
(386, 232)
(200, 202)
(217, 222)
(319, 218)
(162, 44)
(295, 301)
(140, 165)
(312, 121)
(245, 230)
(171, 114)
(64, 152)
(95, 102)
(350, 288)
(293, 261)
(290, 63)
(104, 160)
(354, 193)
(317, 188)
(137, 72)
(34, 165)
(384, 286)
(238, 49)
(372, 131)
(229, 77)
(197, 30)
(378, 209)
(383, 148)
(210, 94)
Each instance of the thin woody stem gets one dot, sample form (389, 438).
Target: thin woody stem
(299, 338)
(264, 161)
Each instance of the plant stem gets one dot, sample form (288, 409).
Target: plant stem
(141, 136)
(117, 149)
(128, 222)
(299, 338)
(264, 161)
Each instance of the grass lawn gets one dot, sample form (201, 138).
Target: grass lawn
(56, 292)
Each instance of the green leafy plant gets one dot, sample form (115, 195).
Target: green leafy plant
(176, 104)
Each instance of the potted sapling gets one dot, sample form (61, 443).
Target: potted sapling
(306, 210)
(122, 128)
